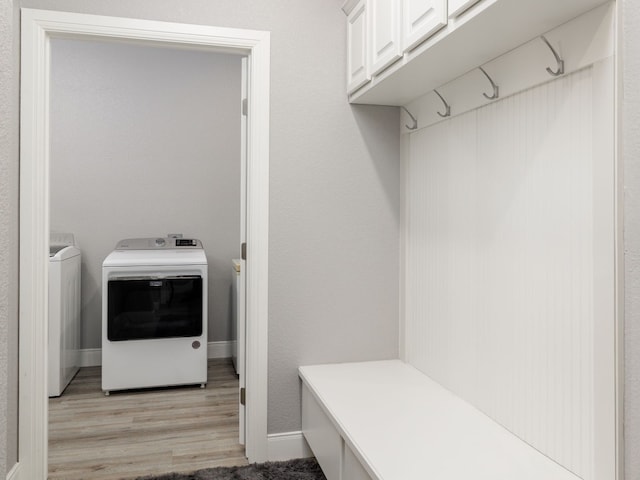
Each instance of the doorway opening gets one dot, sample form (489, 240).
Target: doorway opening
(39, 28)
(145, 140)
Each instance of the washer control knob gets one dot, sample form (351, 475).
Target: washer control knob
(160, 242)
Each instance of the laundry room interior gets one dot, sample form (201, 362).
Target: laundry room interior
(145, 143)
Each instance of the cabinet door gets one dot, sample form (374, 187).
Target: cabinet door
(357, 55)
(324, 440)
(456, 7)
(420, 19)
(384, 33)
(351, 467)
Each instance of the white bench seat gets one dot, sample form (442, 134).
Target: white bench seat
(385, 420)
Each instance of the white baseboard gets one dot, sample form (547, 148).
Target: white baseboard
(92, 357)
(219, 349)
(14, 473)
(287, 446)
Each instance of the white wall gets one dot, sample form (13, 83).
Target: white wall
(144, 142)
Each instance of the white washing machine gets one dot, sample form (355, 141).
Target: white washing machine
(154, 314)
(64, 311)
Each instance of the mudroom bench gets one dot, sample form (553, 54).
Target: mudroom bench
(385, 420)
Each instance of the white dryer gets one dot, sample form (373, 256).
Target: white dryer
(154, 314)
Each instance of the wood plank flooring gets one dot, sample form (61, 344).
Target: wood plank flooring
(134, 433)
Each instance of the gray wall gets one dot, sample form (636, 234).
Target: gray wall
(631, 155)
(145, 141)
(334, 191)
(9, 82)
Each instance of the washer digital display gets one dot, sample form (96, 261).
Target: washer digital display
(185, 242)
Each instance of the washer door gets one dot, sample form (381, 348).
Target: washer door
(143, 308)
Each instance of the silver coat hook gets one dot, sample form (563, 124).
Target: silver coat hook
(560, 62)
(415, 122)
(447, 112)
(496, 89)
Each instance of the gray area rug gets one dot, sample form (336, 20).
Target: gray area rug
(302, 469)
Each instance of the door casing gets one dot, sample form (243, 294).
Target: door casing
(38, 28)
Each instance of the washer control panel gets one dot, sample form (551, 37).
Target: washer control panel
(159, 243)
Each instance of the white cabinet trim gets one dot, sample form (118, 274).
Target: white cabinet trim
(467, 41)
(457, 7)
(384, 55)
(348, 6)
(358, 47)
(432, 18)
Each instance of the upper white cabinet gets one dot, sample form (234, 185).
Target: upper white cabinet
(421, 19)
(400, 50)
(358, 58)
(456, 7)
(384, 33)
(380, 31)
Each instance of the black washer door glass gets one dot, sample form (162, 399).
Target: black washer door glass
(147, 308)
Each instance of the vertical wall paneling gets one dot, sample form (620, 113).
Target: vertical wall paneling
(403, 252)
(510, 263)
(441, 272)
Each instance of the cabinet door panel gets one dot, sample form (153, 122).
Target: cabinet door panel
(456, 7)
(357, 68)
(324, 440)
(351, 467)
(384, 33)
(420, 19)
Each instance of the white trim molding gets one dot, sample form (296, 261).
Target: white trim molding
(219, 349)
(14, 473)
(348, 6)
(38, 27)
(90, 357)
(287, 446)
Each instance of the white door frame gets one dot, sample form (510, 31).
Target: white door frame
(38, 27)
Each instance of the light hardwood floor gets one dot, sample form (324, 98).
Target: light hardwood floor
(129, 434)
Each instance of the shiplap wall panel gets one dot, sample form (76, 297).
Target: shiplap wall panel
(441, 252)
(500, 263)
